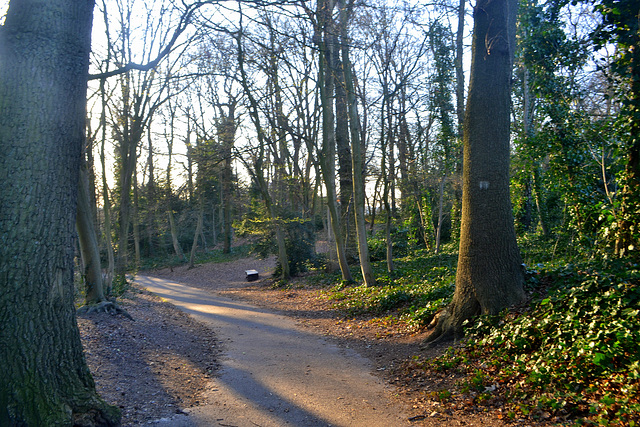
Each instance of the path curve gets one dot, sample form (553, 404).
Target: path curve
(274, 373)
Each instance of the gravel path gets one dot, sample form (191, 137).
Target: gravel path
(273, 373)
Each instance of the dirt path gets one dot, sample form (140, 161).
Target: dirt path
(274, 373)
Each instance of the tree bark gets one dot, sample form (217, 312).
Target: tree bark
(344, 162)
(440, 213)
(107, 282)
(326, 159)
(152, 201)
(44, 379)
(326, 39)
(135, 221)
(174, 236)
(357, 157)
(226, 137)
(489, 276)
(92, 270)
(196, 236)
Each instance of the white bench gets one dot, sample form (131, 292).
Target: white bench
(252, 275)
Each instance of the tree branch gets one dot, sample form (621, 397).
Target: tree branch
(185, 20)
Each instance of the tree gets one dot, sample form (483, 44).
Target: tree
(258, 169)
(620, 25)
(490, 275)
(325, 38)
(356, 149)
(171, 198)
(92, 274)
(439, 35)
(44, 379)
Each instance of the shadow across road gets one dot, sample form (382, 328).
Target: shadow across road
(273, 373)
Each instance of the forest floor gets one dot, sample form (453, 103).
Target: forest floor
(160, 364)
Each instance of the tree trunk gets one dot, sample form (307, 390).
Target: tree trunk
(489, 276)
(174, 236)
(226, 136)
(385, 141)
(151, 198)
(196, 235)
(44, 379)
(135, 220)
(172, 222)
(344, 164)
(128, 150)
(107, 228)
(327, 40)
(92, 270)
(326, 159)
(440, 215)
(357, 157)
(404, 140)
(214, 234)
(540, 204)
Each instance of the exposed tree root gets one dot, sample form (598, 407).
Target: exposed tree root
(104, 307)
(98, 417)
(443, 329)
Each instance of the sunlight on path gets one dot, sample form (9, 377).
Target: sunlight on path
(276, 374)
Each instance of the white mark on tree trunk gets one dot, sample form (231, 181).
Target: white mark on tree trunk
(57, 290)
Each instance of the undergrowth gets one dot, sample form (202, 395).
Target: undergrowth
(201, 257)
(421, 284)
(572, 356)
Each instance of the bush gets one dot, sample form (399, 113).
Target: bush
(399, 244)
(301, 246)
(573, 353)
(299, 241)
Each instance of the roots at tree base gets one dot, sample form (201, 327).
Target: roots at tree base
(104, 307)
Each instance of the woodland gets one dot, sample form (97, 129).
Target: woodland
(473, 168)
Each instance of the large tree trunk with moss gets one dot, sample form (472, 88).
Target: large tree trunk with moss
(44, 379)
(489, 276)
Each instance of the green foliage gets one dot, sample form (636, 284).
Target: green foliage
(119, 286)
(299, 239)
(400, 244)
(563, 151)
(418, 236)
(572, 353)
(201, 257)
(421, 285)
(300, 243)
(620, 26)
